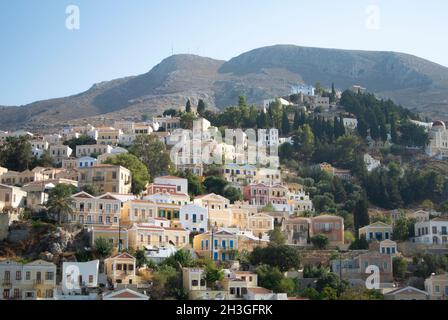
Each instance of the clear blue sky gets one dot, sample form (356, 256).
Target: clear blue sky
(40, 58)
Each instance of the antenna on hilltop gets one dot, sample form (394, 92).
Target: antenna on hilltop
(172, 50)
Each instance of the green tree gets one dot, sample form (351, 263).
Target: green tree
(60, 202)
(16, 154)
(187, 119)
(304, 142)
(285, 124)
(181, 259)
(276, 236)
(400, 267)
(320, 241)
(139, 171)
(201, 106)
(233, 194)
(91, 189)
(282, 256)
(401, 229)
(152, 152)
(361, 213)
(82, 140)
(103, 247)
(140, 258)
(213, 274)
(188, 106)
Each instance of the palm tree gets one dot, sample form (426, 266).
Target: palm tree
(60, 201)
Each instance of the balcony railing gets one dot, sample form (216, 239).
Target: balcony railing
(98, 179)
(6, 283)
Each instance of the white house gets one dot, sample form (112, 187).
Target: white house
(350, 123)
(376, 231)
(85, 162)
(194, 217)
(433, 231)
(180, 183)
(371, 162)
(78, 275)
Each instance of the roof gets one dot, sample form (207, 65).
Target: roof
(406, 289)
(440, 218)
(126, 293)
(170, 177)
(377, 224)
(259, 290)
(123, 255)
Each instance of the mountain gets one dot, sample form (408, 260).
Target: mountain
(415, 83)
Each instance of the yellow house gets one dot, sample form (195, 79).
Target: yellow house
(113, 234)
(437, 286)
(146, 235)
(219, 212)
(260, 223)
(378, 231)
(34, 280)
(107, 177)
(120, 269)
(219, 245)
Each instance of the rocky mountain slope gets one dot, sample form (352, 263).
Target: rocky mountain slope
(259, 74)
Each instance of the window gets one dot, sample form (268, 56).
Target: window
(194, 283)
(434, 230)
(18, 275)
(90, 279)
(28, 275)
(49, 276)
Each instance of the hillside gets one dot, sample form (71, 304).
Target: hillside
(415, 83)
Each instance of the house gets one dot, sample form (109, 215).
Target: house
(296, 230)
(167, 123)
(34, 280)
(341, 173)
(90, 210)
(116, 235)
(193, 282)
(300, 202)
(350, 124)
(181, 184)
(86, 150)
(144, 235)
(138, 211)
(194, 218)
(434, 231)
(159, 254)
(120, 269)
(218, 245)
(260, 223)
(85, 162)
(437, 286)
(15, 178)
(330, 226)
(170, 198)
(237, 283)
(107, 178)
(354, 269)
(218, 207)
(12, 198)
(371, 163)
(115, 151)
(37, 191)
(125, 294)
(438, 137)
(407, 293)
(257, 194)
(59, 153)
(259, 293)
(388, 247)
(79, 275)
(358, 89)
(378, 231)
(108, 135)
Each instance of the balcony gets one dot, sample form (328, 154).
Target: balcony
(6, 283)
(97, 179)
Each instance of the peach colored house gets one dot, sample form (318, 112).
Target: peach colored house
(330, 226)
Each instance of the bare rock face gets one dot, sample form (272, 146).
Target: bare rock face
(259, 74)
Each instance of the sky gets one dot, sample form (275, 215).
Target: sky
(42, 58)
